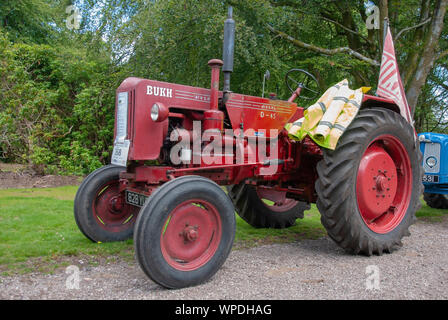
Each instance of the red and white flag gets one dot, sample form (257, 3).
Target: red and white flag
(389, 83)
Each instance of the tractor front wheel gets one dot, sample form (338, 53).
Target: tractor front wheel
(100, 209)
(184, 232)
(369, 188)
(436, 201)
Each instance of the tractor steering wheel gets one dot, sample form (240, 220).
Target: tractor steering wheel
(298, 78)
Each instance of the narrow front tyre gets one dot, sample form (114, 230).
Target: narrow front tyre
(100, 210)
(184, 232)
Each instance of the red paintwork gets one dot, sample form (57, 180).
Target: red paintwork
(376, 183)
(368, 97)
(245, 112)
(110, 210)
(280, 202)
(191, 235)
(213, 119)
(182, 97)
(384, 184)
(156, 175)
(260, 114)
(295, 95)
(215, 64)
(164, 112)
(252, 116)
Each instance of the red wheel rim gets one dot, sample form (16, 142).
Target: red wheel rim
(191, 235)
(384, 184)
(110, 210)
(275, 200)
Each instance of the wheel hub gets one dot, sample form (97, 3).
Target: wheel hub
(376, 183)
(381, 183)
(191, 235)
(116, 204)
(111, 211)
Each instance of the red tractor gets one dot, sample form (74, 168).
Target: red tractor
(164, 186)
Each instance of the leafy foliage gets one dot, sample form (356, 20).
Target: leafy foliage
(57, 107)
(57, 86)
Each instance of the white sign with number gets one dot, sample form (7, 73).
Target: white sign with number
(120, 153)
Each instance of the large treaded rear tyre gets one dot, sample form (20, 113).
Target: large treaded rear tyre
(354, 186)
(184, 232)
(436, 201)
(252, 209)
(100, 210)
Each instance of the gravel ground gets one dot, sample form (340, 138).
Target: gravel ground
(310, 269)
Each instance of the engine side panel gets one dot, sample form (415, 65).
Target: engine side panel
(147, 136)
(260, 114)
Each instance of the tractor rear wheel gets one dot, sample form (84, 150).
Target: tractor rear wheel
(436, 201)
(184, 232)
(263, 208)
(100, 209)
(369, 188)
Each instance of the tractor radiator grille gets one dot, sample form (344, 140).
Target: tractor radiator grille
(432, 150)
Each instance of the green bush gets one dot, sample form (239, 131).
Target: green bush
(56, 107)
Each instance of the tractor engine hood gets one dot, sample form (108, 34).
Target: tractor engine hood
(133, 115)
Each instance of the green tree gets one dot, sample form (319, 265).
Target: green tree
(420, 31)
(57, 86)
(31, 21)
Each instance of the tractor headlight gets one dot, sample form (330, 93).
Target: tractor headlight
(159, 112)
(431, 162)
(155, 112)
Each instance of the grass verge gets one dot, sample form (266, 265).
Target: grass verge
(429, 214)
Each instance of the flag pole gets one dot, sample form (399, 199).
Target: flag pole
(385, 28)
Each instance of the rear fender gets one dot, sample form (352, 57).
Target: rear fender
(378, 102)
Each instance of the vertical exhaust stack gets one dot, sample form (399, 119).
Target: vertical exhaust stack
(229, 48)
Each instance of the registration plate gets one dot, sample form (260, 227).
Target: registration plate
(135, 199)
(430, 178)
(120, 153)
